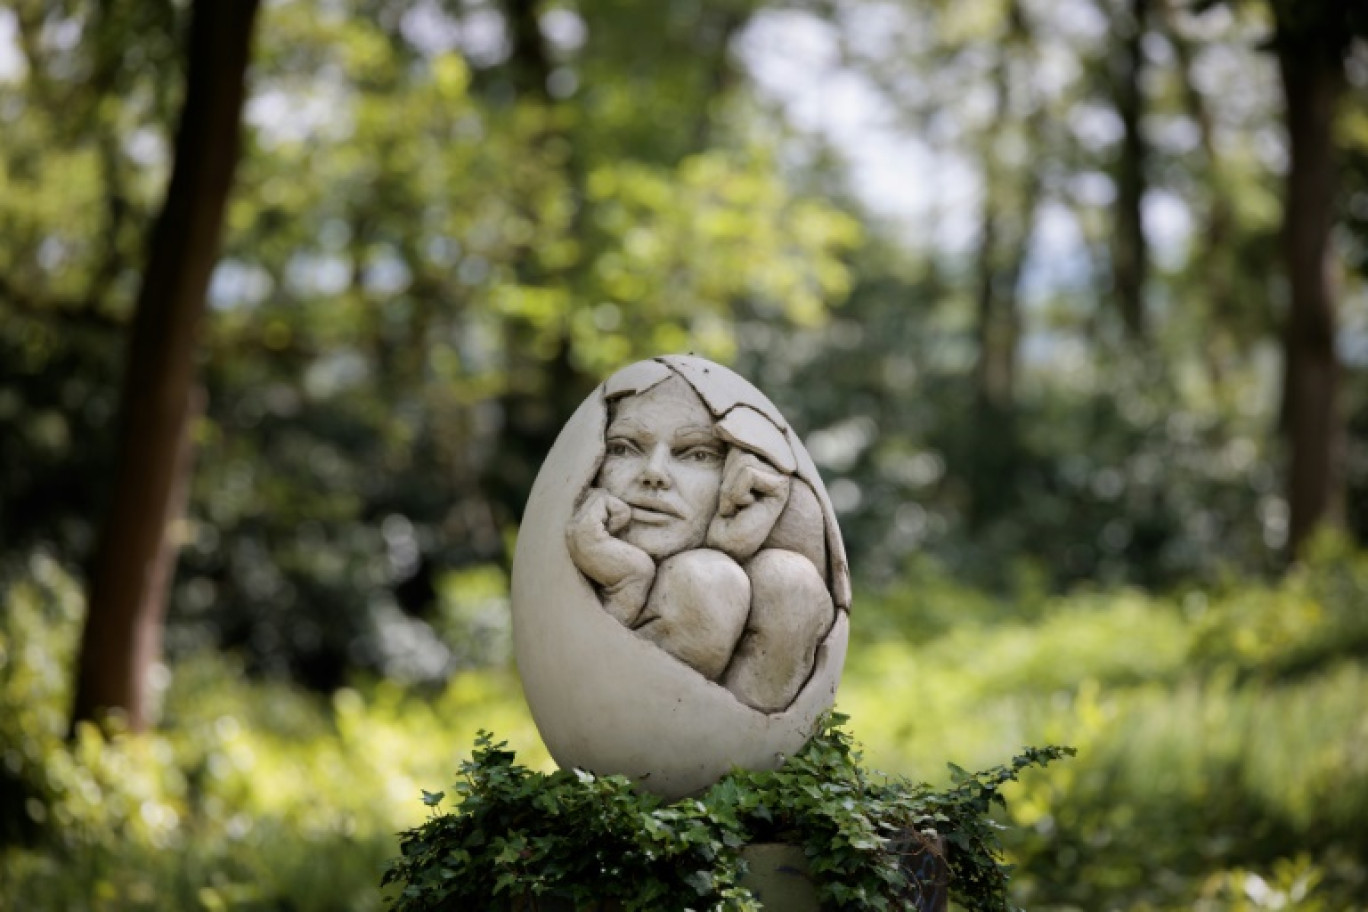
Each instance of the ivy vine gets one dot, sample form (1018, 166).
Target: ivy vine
(516, 837)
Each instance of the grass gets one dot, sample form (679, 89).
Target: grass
(1217, 770)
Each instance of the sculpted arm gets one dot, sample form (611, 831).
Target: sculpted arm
(624, 571)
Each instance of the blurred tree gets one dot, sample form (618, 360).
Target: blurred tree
(416, 249)
(1130, 252)
(1094, 184)
(438, 247)
(90, 93)
(452, 217)
(135, 552)
(686, 65)
(1011, 196)
(1311, 40)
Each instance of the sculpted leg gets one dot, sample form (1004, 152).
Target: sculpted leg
(791, 611)
(801, 528)
(697, 609)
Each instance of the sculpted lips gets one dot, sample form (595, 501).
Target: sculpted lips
(654, 512)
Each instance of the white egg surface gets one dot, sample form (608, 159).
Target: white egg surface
(689, 651)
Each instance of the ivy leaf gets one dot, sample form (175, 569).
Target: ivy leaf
(591, 839)
(701, 881)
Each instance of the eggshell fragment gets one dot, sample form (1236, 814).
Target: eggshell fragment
(840, 570)
(635, 378)
(605, 699)
(750, 430)
(722, 389)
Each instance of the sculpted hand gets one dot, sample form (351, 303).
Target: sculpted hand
(752, 496)
(623, 570)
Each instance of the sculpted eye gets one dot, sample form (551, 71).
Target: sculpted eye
(621, 447)
(701, 454)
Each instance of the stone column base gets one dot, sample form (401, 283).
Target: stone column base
(778, 876)
(777, 873)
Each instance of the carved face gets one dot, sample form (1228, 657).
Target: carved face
(664, 459)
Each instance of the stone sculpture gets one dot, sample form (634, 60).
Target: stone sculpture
(680, 590)
(674, 532)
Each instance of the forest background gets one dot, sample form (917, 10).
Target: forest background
(1067, 299)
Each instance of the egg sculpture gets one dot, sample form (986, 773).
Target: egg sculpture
(680, 590)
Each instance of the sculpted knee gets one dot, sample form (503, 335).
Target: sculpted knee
(697, 609)
(791, 611)
(789, 594)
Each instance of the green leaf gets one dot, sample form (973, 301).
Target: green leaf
(588, 838)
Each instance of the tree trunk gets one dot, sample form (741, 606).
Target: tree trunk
(134, 554)
(1011, 196)
(1130, 253)
(1310, 58)
(1218, 233)
(530, 62)
(998, 330)
(1001, 251)
(721, 72)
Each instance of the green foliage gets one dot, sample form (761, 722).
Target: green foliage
(426, 266)
(1214, 771)
(250, 795)
(516, 835)
(863, 834)
(1107, 471)
(1314, 618)
(429, 260)
(1218, 732)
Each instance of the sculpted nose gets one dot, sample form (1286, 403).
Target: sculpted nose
(656, 472)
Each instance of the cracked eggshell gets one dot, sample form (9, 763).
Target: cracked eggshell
(608, 701)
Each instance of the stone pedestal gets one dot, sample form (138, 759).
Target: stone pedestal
(778, 876)
(777, 873)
